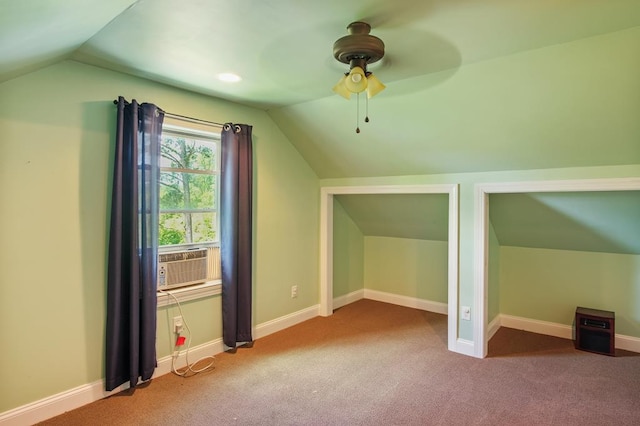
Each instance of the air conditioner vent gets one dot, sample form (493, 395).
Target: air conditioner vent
(179, 269)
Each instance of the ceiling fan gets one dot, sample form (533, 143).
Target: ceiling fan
(358, 49)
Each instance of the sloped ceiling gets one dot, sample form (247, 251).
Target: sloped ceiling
(606, 222)
(595, 221)
(36, 33)
(471, 86)
(413, 216)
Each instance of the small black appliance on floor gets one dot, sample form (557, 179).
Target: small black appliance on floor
(595, 331)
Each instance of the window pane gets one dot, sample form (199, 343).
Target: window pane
(184, 228)
(203, 227)
(172, 229)
(186, 153)
(187, 191)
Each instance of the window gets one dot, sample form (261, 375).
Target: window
(189, 169)
(188, 219)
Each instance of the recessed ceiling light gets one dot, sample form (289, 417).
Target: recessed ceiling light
(229, 77)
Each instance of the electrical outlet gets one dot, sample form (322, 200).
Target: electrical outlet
(466, 313)
(294, 291)
(178, 324)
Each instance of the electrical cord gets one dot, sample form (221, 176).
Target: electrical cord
(176, 352)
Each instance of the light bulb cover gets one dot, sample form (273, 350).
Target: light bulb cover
(356, 81)
(374, 86)
(341, 89)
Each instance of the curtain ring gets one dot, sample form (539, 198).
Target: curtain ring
(238, 129)
(227, 127)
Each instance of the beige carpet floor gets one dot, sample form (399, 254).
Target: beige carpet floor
(373, 363)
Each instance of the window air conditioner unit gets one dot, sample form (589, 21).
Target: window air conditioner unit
(182, 268)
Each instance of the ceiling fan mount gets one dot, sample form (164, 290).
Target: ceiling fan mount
(359, 47)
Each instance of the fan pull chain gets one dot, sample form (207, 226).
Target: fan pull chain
(358, 113)
(366, 117)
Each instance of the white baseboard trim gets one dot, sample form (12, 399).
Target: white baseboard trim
(62, 402)
(536, 326)
(464, 347)
(627, 343)
(270, 327)
(493, 327)
(56, 404)
(354, 296)
(409, 302)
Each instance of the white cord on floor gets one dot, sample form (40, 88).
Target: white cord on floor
(176, 352)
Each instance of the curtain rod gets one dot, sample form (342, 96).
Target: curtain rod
(184, 117)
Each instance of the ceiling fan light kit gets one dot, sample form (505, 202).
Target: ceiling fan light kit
(356, 81)
(374, 86)
(358, 49)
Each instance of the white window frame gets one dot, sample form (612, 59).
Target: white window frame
(209, 288)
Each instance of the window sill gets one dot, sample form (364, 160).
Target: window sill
(199, 291)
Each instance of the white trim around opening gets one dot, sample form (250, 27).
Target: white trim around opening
(481, 237)
(326, 246)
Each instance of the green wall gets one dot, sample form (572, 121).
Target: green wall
(548, 285)
(406, 267)
(57, 134)
(348, 253)
(493, 304)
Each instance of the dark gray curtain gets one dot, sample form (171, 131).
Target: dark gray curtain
(236, 178)
(133, 246)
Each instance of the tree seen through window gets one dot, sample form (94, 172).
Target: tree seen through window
(188, 190)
